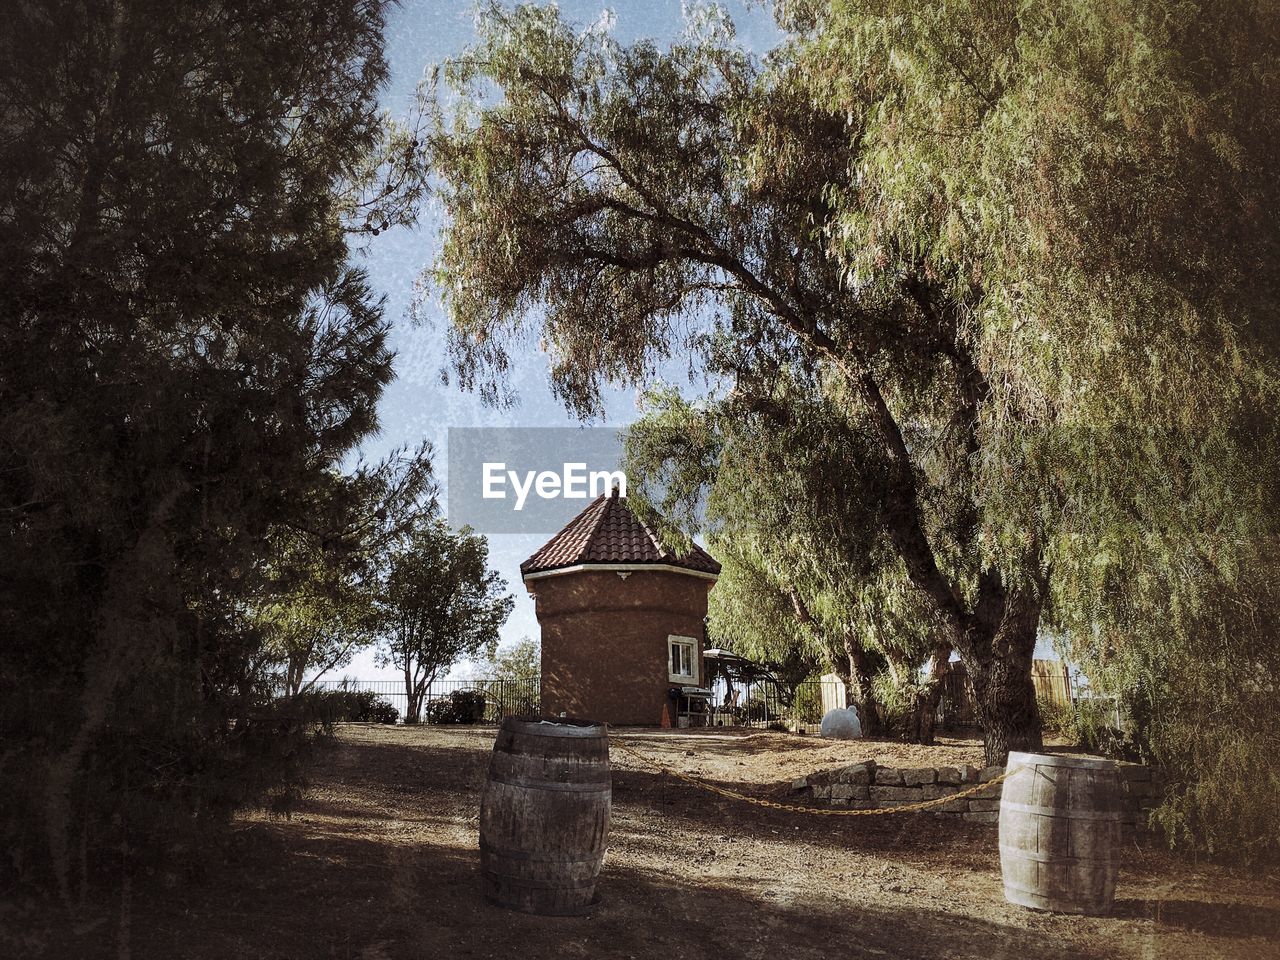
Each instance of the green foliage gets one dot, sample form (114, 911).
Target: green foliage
(440, 603)
(809, 578)
(520, 662)
(1101, 170)
(1192, 658)
(630, 202)
(758, 709)
(320, 617)
(1230, 808)
(807, 707)
(186, 355)
(1019, 257)
(513, 673)
(323, 600)
(337, 706)
(1110, 158)
(895, 706)
(1091, 723)
(460, 706)
(1059, 719)
(1099, 728)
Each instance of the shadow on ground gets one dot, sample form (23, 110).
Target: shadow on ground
(324, 895)
(380, 863)
(1232, 920)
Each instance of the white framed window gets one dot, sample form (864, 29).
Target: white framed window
(682, 659)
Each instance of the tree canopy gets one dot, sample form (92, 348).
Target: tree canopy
(440, 603)
(1024, 253)
(623, 190)
(188, 356)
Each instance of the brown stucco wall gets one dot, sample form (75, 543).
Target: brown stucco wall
(604, 640)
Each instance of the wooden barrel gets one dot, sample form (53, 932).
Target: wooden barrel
(544, 818)
(1060, 821)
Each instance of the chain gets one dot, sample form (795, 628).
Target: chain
(795, 808)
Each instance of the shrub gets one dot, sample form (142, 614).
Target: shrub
(338, 706)
(1229, 808)
(808, 703)
(365, 706)
(895, 706)
(759, 709)
(1104, 726)
(1059, 719)
(519, 697)
(461, 706)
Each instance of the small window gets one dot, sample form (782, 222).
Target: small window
(682, 663)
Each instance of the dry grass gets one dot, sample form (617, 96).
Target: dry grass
(380, 863)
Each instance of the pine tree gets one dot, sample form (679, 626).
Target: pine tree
(186, 353)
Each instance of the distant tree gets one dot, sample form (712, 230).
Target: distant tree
(322, 604)
(440, 603)
(513, 674)
(520, 662)
(317, 626)
(187, 352)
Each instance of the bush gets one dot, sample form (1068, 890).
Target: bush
(757, 709)
(808, 703)
(1059, 719)
(1229, 808)
(513, 697)
(461, 706)
(894, 704)
(261, 758)
(1105, 728)
(365, 706)
(338, 706)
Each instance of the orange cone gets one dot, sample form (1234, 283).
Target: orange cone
(666, 718)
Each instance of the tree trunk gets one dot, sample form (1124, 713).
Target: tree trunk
(413, 699)
(924, 711)
(998, 661)
(996, 636)
(294, 672)
(860, 685)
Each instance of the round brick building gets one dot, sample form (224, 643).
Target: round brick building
(623, 619)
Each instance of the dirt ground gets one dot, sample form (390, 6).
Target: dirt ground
(380, 862)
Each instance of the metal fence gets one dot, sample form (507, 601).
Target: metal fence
(763, 703)
(502, 698)
(756, 703)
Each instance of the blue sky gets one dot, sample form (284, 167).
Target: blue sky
(417, 406)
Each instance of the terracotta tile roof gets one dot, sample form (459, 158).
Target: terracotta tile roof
(608, 532)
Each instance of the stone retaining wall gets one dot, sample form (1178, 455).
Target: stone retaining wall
(868, 786)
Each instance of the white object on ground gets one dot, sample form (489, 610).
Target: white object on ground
(842, 724)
